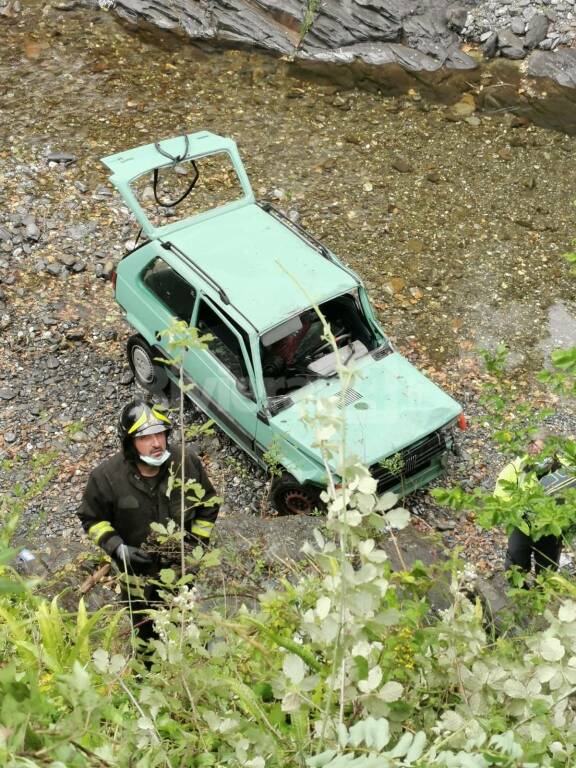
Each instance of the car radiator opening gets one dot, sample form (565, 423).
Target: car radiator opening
(413, 459)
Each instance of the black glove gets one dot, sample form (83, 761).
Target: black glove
(124, 554)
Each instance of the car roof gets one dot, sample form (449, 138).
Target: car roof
(268, 271)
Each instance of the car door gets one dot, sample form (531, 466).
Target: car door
(223, 375)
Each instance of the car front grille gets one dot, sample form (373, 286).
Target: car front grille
(412, 459)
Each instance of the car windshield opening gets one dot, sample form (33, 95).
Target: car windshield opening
(295, 352)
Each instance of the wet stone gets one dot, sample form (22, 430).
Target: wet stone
(402, 165)
(61, 157)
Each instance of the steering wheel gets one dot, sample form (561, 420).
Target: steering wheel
(327, 345)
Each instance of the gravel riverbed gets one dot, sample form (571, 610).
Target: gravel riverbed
(456, 222)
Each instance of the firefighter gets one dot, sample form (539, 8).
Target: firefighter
(526, 471)
(130, 490)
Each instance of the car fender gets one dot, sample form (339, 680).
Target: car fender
(142, 330)
(298, 462)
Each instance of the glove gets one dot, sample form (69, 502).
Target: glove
(128, 555)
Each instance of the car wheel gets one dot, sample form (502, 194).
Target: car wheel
(289, 497)
(148, 373)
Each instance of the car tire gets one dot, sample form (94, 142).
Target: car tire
(149, 374)
(289, 497)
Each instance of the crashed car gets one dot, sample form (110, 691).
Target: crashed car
(245, 273)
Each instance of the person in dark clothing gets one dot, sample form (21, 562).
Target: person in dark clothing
(129, 491)
(525, 471)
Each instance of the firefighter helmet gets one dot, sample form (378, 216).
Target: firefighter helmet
(139, 418)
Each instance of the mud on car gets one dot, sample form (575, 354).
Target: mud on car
(215, 257)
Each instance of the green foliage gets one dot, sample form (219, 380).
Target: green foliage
(563, 376)
(310, 12)
(506, 409)
(273, 459)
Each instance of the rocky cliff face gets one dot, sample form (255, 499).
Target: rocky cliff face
(441, 45)
(421, 35)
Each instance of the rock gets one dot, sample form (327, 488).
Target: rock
(395, 285)
(32, 231)
(401, 165)
(559, 66)
(107, 270)
(75, 334)
(490, 46)
(518, 26)
(61, 157)
(536, 30)
(5, 235)
(67, 259)
(8, 394)
(434, 176)
(510, 45)
(52, 363)
(341, 32)
(79, 437)
(54, 269)
(126, 378)
(445, 525)
(10, 437)
(463, 108)
(456, 18)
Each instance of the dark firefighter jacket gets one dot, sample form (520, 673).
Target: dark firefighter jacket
(119, 504)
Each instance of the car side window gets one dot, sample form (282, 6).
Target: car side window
(225, 345)
(170, 288)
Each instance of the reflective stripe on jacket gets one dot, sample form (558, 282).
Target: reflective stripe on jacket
(119, 504)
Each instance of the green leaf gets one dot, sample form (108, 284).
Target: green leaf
(167, 576)
(361, 667)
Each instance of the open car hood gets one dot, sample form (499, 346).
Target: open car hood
(389, 406)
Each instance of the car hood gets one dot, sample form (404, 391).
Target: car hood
(389, 406)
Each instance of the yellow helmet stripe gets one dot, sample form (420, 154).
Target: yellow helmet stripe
(138, 423)
(160, 415)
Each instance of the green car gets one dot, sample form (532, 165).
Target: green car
(213, 256)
